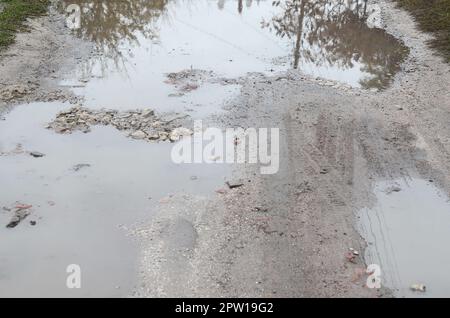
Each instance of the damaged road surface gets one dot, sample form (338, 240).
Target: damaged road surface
(88, 177)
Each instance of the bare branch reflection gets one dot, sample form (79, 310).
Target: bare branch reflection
(335, 33)
(115, 23)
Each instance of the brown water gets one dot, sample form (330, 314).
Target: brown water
(408, 235)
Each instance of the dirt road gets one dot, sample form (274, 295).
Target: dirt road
(288, 234)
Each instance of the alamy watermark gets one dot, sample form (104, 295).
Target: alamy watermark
(73, 20)
(232, 145)
(73, 280)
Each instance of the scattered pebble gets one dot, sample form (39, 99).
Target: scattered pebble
(37, 154)
(140, 124)
(179, 132)
(418, 287)
(20, 213)
(234, 184)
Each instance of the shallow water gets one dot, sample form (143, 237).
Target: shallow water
(81, 216)
(408, 235)
(138, 42)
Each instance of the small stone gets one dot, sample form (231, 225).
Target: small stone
(139, 134)
(147, 113)
(163, 135)
(37, 154)
(33, 223)
(234, 184)
(180, 132)
(154, 136)
(418, 287)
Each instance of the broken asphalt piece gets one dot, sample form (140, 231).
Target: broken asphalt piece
(22, 211)
(37, 154)
(234, 184)
(418, 287)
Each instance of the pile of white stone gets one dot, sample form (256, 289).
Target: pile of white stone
(139, 124)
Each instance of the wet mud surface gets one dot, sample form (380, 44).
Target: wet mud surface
(350, 87)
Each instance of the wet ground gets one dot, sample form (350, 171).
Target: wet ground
(97, 184)
(101, 183)
(407, 233)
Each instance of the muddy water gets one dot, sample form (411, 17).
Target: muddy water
(88, 188)
(408, 234)
(81, 214)
(138, 42)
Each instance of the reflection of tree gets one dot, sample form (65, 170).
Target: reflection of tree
(110, 24)
(334, 32)
(240, 4)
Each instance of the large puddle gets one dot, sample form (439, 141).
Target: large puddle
(139, 42)
(408, 234)
(85, 188)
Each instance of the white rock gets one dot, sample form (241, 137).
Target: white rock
(139, 134)
(177, 133)
(147, 113)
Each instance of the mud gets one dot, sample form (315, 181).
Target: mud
(351, 117)
(33, 66)
(336, 145)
